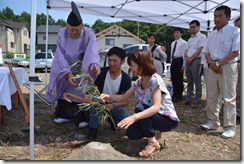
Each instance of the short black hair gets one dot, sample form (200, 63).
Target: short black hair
(178, 29)
(195, 21)
(117, 51)
(152, 34)
(237, 19)
(226, 9)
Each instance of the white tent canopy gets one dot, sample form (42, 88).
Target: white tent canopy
(177, 13)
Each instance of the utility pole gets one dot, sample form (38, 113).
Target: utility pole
(138, 29)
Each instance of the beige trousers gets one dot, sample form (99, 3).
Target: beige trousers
(224, 84)
(206, 70)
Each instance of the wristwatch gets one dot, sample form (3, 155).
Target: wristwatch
(217, 64)
(114, 105)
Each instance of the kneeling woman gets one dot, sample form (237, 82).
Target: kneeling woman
(154, 111)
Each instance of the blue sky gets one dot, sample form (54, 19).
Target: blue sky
(18, 6)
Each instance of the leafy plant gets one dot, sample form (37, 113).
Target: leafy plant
(9, 55)
(91, 92)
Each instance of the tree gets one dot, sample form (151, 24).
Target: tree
(99, 25)
(24, 17)
(8, 13)
(41, 20)
(61, 22)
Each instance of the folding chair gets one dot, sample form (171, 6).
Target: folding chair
(185, 85)
(40, 93)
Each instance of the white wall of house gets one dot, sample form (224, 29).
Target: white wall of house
(14, 40)
(116, 36)
(3, 39)
(22, 40)
(11, 45)
(51, 38)
(17, 36)
(118, 41)
(25, 39)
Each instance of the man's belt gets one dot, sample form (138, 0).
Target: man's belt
(176, 58)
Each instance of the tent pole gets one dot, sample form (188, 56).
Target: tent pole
(32, 73)
(46, 47)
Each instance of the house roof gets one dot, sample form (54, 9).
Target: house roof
(112, 31)
(51, 28)
(13, 24)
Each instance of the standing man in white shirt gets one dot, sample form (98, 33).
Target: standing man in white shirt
(158, 55)
(221, 52)
(193, 60)
(237, 23)
(178, 48)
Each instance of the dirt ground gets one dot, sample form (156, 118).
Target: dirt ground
(56, 142)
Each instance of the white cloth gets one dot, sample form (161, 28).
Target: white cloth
(7, 86)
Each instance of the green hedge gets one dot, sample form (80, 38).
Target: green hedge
(9, 55)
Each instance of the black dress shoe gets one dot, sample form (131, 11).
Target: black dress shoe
(92, 134)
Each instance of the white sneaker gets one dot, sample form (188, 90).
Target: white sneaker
(228, 132)
(209, 126)
(83, 124)
(61, 120)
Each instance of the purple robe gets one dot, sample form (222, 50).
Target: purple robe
(68, 50)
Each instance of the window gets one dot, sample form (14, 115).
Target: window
(23, 56)
(144, 47)
(44, 37)
(25, 32)
(126, 45)
(42, 55)
(12, 44)
(135, 48)
(109, 42)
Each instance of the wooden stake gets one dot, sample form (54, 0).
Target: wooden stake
(1, 115)
(26, 107)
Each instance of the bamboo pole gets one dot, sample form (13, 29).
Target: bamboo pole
(66, 94)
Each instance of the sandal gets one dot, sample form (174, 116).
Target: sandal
(158, 134)
(150, 149)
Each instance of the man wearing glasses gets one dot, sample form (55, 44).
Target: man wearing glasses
(75, 42)
(192, 62)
